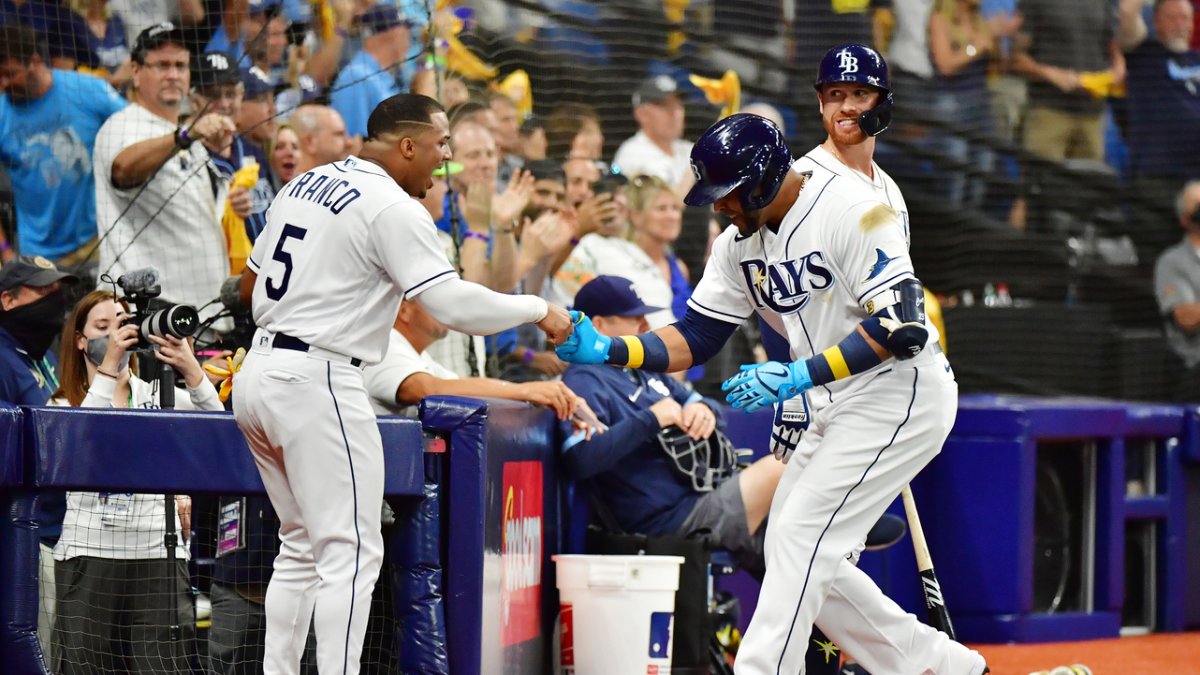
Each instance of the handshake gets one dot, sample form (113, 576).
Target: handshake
(584, 345)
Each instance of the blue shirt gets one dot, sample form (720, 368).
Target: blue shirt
(25, 380)
(361, 86)
(46, 145)
(63, 30)
(241, 153)
(111, 52)
(1164, 111)
(625, 467)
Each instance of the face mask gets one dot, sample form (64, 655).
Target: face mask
(97, 347)
(35, 325)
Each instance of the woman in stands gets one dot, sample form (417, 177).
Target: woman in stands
(113, 579)
(285, 155)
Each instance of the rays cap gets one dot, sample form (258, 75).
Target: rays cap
(214, 69)
(154, 37)
(382, 18)
(34, 271)
(611, 296)
(257, 83)
(655, 89)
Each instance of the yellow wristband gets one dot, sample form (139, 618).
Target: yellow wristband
(837, 362)
(637, 353)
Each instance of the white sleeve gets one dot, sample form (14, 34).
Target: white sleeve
(404, 242)
(471, 308)
(720, 294)
(400, 362)
(871, 248)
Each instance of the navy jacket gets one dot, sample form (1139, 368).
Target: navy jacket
(625, 467)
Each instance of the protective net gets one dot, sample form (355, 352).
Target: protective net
(1041, 146)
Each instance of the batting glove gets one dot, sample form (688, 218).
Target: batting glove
(761, 384)
(791, 420)
(584, 345)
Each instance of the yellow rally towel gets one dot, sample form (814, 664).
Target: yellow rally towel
(1101, 84)
(727, 90)
(516, 86)
(237, 242)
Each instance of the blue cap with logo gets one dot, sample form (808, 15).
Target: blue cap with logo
(611, 296)
(381, 18)
(256, 82)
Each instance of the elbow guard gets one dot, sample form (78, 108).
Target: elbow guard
(904, 322)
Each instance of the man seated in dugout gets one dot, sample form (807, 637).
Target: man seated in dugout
(664, 466)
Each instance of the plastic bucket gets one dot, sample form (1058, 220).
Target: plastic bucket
(617, 613)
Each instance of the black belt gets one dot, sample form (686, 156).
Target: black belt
(283, 341)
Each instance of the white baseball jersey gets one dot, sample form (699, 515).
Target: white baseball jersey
(839, 251)
(343, 230)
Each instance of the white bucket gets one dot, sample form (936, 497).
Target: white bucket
(617, 613)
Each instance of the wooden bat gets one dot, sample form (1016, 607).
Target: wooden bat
(935, 604)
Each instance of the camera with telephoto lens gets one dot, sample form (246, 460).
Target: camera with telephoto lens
(141, 288)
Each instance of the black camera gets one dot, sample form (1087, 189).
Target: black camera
(141, 288)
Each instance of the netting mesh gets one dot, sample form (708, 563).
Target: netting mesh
(1041, 187)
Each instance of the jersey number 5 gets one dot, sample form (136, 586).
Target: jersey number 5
(289, 232)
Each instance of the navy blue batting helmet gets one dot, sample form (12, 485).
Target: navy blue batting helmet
(862, 65)
(740, 151)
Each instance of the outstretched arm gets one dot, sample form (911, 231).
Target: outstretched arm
(693, 339)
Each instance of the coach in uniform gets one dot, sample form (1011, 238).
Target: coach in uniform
(344, 244)
(820, 252)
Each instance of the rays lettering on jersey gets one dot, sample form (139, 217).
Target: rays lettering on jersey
(324, 191)
(786, 286)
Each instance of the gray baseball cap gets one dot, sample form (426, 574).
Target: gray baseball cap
(34, 271)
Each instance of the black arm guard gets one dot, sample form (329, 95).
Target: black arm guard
(905, 320)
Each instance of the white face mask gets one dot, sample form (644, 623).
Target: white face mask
(97, 347)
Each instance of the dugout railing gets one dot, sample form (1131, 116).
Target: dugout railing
(478, 505)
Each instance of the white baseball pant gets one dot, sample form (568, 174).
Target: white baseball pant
(854, 459)
(310, 426)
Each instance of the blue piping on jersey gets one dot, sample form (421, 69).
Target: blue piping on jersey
(700, 307)
(808, 572)
(357, 534)
(881, 284)
(787, 244)
(436, 276)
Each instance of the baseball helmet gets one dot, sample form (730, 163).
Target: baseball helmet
(862, 65)
(740, 151)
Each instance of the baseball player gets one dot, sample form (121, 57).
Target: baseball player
(344, 243)
(820, 251)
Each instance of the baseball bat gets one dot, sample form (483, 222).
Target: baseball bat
(935, 604)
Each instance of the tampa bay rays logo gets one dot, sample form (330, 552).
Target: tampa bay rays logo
(881, 261)
(786, 286)
(847, 61)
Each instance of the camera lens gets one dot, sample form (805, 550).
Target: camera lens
(179, 321)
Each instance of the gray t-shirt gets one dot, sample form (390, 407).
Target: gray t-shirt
(1177, 282)
(1073, 34)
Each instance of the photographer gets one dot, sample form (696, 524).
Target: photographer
(113, 576)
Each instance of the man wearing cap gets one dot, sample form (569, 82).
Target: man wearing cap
(629, 472)
(48, 124)
(256, 121)
(657, 149)
(159, 197)
(33, 309)
(217, 88)
(371, 75)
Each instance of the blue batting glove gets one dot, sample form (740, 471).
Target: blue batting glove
(584, 345)
(761, 384)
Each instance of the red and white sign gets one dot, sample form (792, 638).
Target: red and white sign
(566, 639)
(521, 552)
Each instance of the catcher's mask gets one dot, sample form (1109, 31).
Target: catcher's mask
(707, 462)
